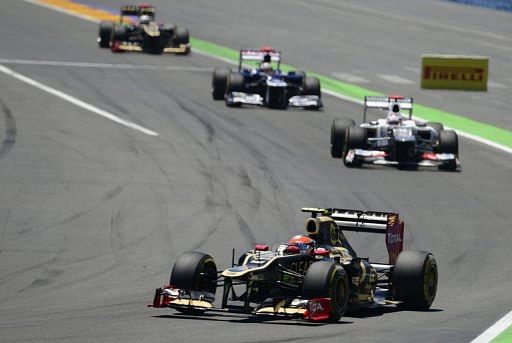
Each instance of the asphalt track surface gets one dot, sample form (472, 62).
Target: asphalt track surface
(93, 214)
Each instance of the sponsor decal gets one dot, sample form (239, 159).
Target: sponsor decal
(394, 238)
(454, 72)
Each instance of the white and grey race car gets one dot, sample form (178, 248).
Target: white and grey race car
(396, 140)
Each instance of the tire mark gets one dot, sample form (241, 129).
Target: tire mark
(10, 130)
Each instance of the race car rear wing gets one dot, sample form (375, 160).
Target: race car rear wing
(264, 54)
(137, 10)
(383, 103)
(385, 223)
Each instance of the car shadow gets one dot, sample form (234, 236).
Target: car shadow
(247, 319)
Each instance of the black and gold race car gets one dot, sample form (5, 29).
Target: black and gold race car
(137, 30)
(316, 276)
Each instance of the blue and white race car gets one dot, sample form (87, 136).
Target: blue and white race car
(265, 84)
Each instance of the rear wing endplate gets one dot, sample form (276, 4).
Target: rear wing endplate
(385, 223)
(383, 103)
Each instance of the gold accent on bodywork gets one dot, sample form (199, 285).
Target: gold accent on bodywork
(151, 29)
(192, 303)
(281, 310)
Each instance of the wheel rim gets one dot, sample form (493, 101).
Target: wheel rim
(430, 285)
(339, 295)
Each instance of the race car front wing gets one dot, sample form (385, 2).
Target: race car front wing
(317, 309)
(241, 98)
(378, 157)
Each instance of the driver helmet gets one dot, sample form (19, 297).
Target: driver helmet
(266, 67)
(394, 114)
(305, 244)
(145, 19)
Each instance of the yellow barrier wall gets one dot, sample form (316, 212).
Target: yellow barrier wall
(454, 72)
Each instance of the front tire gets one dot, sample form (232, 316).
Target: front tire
(194, 271)
(181, 36)
(448, 142)
(339, 129)
(326, 279)
(414, 279)
(219, 83)
(105, 33)
(355, 139)
(311, 86)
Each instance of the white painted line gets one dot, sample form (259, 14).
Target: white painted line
(350, 77)
(494, 331)
(76, 101)
(336, 95)
(395, 79)
(104, 65)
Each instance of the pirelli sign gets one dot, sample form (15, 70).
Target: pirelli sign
(454, 72)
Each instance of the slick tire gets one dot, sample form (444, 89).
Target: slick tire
(414, 279)
(436, 126)
(339, 129)
(327, 279)
(119, 34)
(312, 86)
(355, 139)
(235, 84)
(448, 142)
(194, 271)
(181, 36)
(105, 33)
(219, 83)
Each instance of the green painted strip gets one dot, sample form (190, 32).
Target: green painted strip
(504, 337)
(455, 121)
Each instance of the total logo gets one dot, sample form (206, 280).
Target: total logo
(394, 238)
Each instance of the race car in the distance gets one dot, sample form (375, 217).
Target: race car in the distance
(315, 276)
(395, 140)
(137, 30)
(265, 84)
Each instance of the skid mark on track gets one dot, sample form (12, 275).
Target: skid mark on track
(10, 130)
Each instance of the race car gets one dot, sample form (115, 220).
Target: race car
(138, 31)
(316, 276)
(396, 140)
(265, 84)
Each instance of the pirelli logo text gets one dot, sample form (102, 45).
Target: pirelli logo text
(454, 72)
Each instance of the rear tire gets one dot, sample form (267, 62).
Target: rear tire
(436, 126)
(327, 279)
(105, 33)
(414, 279)
(355, 139)
(219, 83)
(311, 86)
(339, 129)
